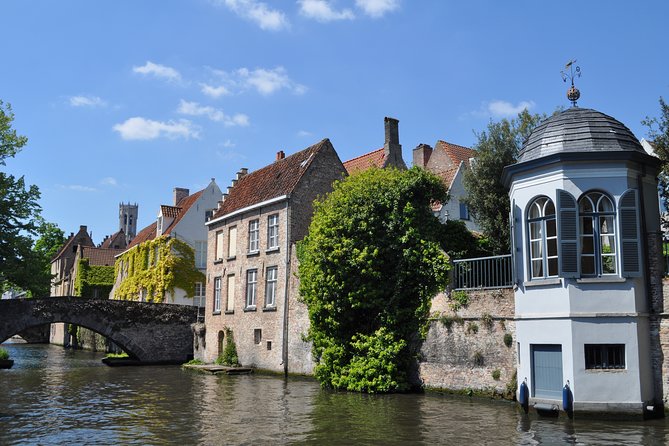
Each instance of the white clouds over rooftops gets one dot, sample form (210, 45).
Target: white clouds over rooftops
(377, 8)
(86, 101)
(138, 128)
(195, 109)
(159, 71)
(257, 12)
(322, 11)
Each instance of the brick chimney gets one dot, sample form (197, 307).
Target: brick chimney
(179, 194)
(280, 155)
(391, 147)
(421, 155)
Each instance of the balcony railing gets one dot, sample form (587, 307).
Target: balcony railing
(483, 273)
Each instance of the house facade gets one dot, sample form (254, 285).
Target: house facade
(586, 250)
(166, 260)
(252, 288)
(449, 162)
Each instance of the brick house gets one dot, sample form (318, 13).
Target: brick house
(184, 222)
(252, 288)
(390, 155)
(449, 162)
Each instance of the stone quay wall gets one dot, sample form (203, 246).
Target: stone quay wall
(471, 349)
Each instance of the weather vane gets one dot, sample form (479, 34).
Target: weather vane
(574, 71)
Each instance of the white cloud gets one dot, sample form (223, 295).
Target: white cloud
(159, 71)
(195, 109)
(304, 133)
(377, 8)
(322, 11)
(258, 12)
(214, 92)
(228, 144)
(139, 128)
(229, 155)
(77, 187)
(504, 109)
(109, 181)
(86, 101)
(267, 82)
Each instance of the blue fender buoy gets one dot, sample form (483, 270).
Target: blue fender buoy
(524, 396)
(566, 398)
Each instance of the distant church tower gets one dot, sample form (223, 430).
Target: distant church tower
(127, 220)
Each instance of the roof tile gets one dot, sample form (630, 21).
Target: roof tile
(375, 158)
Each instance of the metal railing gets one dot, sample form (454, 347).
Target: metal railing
(483, 273)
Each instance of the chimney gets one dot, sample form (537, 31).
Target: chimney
(421, 155)
(241, 173)
(280, 155)
(391, 147)
(83, 228)
(179, 194)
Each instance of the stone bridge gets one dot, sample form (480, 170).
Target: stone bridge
(148, 332)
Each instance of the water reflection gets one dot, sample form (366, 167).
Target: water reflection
(56, 396)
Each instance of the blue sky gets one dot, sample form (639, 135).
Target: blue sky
(125, 100)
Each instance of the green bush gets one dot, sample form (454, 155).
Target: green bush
(4, 354)
(448, 321)
(459, 299)
(508, 339)
(229, 356)
(194, 362)
(122, 355)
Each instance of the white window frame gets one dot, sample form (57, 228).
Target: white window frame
(201, 254)
(271, 281)
(273, 231)
(251, 288)
(595, 198)
(220, 238)
(217, 294)
(230, 294)
(543, 241)
(254, 236)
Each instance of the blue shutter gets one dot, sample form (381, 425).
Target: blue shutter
(630, 233)
(567, 221)
(514, 249)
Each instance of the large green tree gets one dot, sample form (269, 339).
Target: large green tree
(368, 270)
(487, 198)
(19, 212)
(658, 134)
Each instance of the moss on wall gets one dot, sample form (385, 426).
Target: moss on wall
(155, 268)
(93, 277)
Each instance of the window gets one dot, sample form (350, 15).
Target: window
(464, 211)
(257, 335)
(232, 242)
(604, 356)
(217, 295)
(597, 232)
(201, 254)
(251, 282)
(273, 231)
(254, 235)
(270, 286)
(230, 301)
(159, 228)
(208, 214)
(542, 232)
(198, 300)
(219, 245)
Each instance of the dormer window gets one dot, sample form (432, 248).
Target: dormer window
(160, 225)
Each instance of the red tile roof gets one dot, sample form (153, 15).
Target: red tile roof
(84, 239)
(272, 181)
(375, 158)
(100, 256)
(455, 152)
(115, 239)
(169, 211)
(148, 233)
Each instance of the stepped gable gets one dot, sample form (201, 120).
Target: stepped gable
(272, 181)
(115, 241)
(376, 158)
(579, 130)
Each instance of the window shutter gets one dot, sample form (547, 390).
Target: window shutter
(567, 220)
(630, 234)
(512, 229)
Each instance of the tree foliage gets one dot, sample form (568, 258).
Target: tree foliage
(19, 215)
(488, 198)
(658, 134)
(368, 270)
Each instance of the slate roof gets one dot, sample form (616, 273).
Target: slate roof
(376, 158)
(100, 256)
(272, 181)
(579, 130)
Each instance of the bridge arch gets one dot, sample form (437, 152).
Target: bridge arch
(149, 332)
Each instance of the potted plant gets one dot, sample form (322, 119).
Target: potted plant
(5, 362)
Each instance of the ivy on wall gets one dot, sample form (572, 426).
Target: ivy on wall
(155, 268)
(91, 277)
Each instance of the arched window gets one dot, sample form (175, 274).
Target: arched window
(543, 238)
(598, 238)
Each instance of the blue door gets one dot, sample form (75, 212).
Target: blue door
(547, 371)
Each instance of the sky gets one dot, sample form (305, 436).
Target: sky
(122, 101)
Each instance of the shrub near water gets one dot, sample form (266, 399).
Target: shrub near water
(368, 270)
(4, 354)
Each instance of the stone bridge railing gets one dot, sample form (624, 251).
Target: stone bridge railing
(152, 333)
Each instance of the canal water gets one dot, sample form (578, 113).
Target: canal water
(58, 396)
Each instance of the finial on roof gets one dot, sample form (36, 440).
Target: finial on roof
(574, 71)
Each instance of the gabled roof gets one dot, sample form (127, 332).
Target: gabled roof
(148, 233)
(273, 181)
(169, 211)
(376, 158)
(81, 237)
(184, 206)
(456, 153)
(117, 239)
(100, 256)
